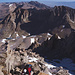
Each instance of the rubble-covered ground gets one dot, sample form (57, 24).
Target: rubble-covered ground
(18, 59)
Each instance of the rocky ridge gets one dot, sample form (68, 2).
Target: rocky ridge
(4, 7)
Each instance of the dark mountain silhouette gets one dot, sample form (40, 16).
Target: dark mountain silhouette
(58, 48)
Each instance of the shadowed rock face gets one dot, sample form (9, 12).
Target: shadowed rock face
(58, 48)
(57, 21)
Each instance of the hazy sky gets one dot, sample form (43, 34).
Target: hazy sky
(35, 0)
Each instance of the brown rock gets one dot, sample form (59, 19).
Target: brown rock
(62, 72)
(41, 73)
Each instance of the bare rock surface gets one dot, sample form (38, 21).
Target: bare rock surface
(19, 59)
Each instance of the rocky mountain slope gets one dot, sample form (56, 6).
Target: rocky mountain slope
(33, 21)
(28, 26)
(18, 16)
(19, 59)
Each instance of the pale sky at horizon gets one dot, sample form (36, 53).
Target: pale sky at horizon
(36, 0)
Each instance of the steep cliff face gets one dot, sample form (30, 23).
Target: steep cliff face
(12, 22)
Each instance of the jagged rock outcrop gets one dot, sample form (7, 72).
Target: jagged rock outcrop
(52, 48)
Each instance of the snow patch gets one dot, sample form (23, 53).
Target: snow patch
(48, 34)
(59, 37)
(32, 40)
(3, 40)
(9, 36)
(70, 74)
(10, 5)
(17, 35)
(48, 38)
(32, 59)
(63, 26)
(23, 36)
(25, 70)
(13, 39)
(49, 66)
(29, 34)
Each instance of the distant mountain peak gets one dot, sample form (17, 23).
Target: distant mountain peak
(39, 5)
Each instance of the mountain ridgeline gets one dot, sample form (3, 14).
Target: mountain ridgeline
(29, 30)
